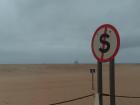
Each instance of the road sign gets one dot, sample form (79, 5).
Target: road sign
(92, 70)
(105, 43)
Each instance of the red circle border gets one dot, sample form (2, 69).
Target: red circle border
(118, 43)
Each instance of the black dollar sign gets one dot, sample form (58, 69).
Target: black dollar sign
(105, 43)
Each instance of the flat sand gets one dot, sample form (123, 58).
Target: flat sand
(47, 84)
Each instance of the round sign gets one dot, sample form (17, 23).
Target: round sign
(105, 43)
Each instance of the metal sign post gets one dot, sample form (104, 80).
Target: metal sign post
(99, 83)
(92, 71)
(92, 82)
(112, 82)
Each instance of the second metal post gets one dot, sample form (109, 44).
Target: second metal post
(112, 82)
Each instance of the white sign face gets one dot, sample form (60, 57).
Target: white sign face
(105, 43)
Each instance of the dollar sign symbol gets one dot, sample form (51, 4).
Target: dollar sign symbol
(105, 43)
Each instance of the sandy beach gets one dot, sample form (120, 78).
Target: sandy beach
(47, 84)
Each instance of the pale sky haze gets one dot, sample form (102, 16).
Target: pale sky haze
(60, 31)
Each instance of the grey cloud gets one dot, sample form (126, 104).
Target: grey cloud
(60, 31)
(129, 55)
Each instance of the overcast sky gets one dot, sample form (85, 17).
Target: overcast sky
(60, 31)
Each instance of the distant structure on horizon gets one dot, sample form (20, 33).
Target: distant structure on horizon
(76, 62)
